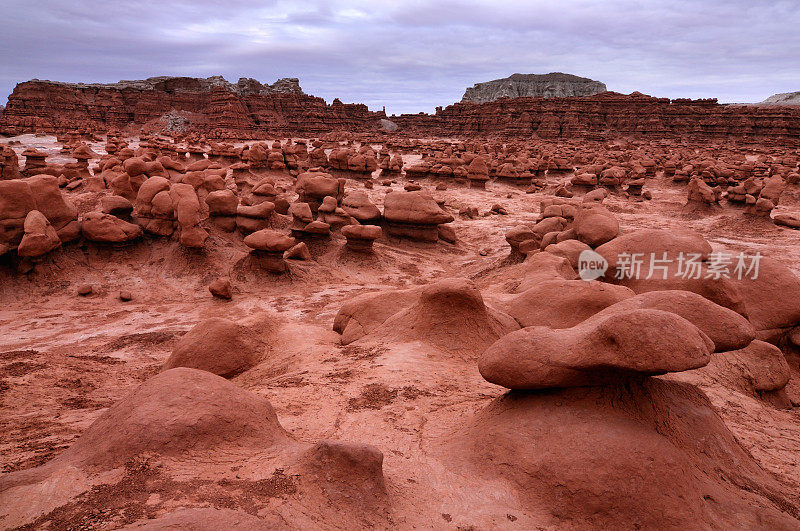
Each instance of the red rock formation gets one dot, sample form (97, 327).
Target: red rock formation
(608, 115)
(218, 109)
(212, 107)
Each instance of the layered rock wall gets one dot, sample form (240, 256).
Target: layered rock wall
(211, 106)
(608, 115)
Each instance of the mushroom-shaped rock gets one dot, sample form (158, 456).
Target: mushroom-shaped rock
(641, 454)
(264, 190)
(414, 215)
(269, 240)
(153, 208)
(598, 351)
(40, 237)
(312, 187)
(34, 161)
(330, 213)
(16, 200)
(9, 163)
(252, 218)
(361, 237)
(219, 346)
(84, 152)
(700, 196)
(268, 248)
(516, 236)
(222, 203)
(725, 328)
(222, 206)
(478, 173)
(105, 228)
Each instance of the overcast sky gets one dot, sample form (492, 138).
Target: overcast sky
(411, 55)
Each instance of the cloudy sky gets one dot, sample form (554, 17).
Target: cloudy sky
(411, 55)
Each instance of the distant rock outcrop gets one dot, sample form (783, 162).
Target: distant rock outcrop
(553, 85)
(785, 98)
(179, 85)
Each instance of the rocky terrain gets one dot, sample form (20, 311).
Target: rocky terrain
(523, 314)
(553, 85)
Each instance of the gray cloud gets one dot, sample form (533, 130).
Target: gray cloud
(412, 55)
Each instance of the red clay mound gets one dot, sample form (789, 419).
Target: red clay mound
(187, 416)
(180, 413)
(449, 315)
(649, 454)
(360, 316)
(219, 346)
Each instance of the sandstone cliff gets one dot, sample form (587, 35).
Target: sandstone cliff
(553, 85)
(212, 106)
(609, 115)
